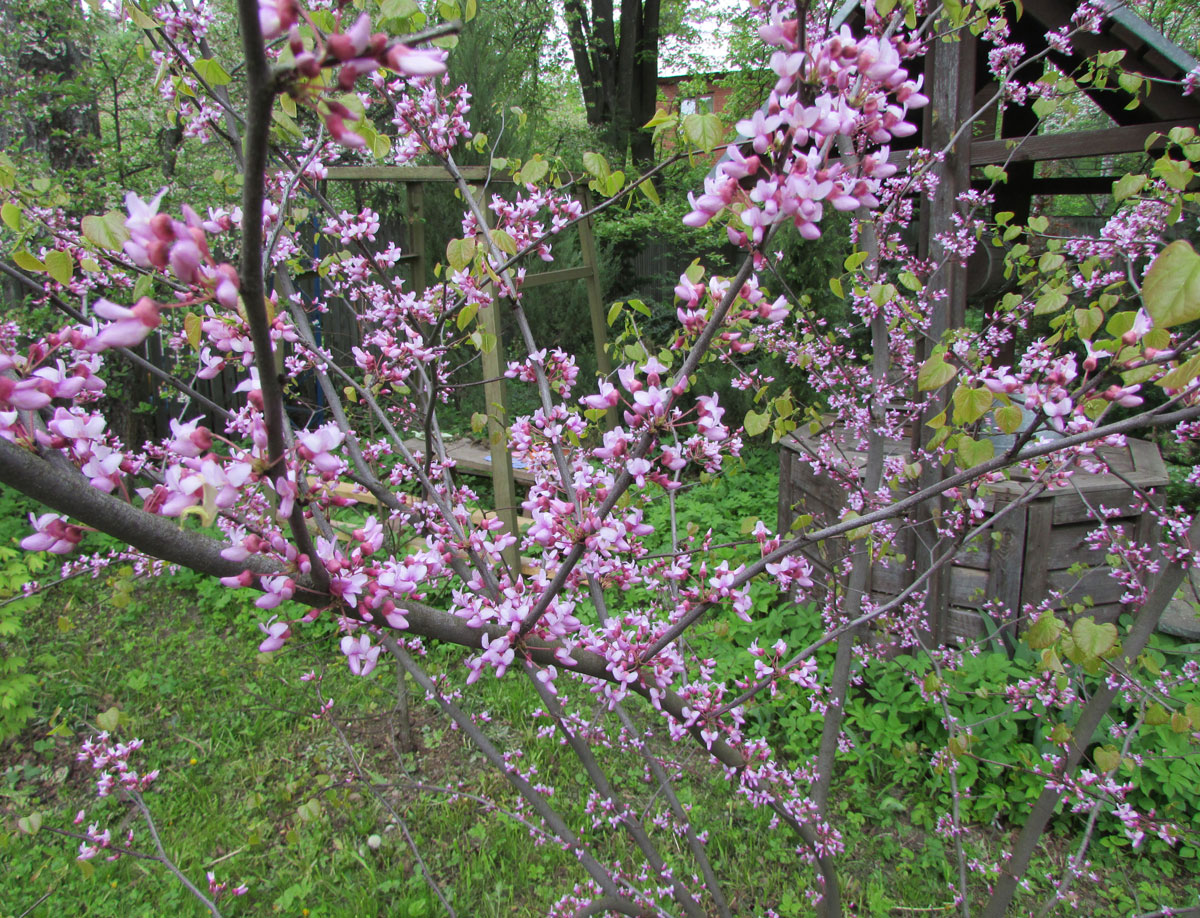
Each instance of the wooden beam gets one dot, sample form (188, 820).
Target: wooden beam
(1130, 139)
(413, 174)
(496, 407)
(415, 201)
(1065, 184)
(555, 277)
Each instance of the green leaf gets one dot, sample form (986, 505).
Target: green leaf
(1050, 261)
(1008, 418)
(504, 242)
(1107, 758)
(109, 720)
(460, 252)
(972, 452)
(532, 172)
(470, 8)
(854, 261)
(212, 72)
(193, 328)
(11, 214)
(1088, 321)
(1051, 301)
(1171, 290)
(1156, 715)
(935, 373)
(1044, 632)
(1092, 639)
(29, 825)
(704, 130)
(398, 9)
(108, 231)
(835, 284)
(466, 315)
(60, 266)
(1183, 374)
(756, 422)
(995, 173)
(142, 286)
(27, 261)
(1127, 186)
(140, 19)
(646, 187)
(971, 404)
(597, 165)
(615, 310)
(1039, 224)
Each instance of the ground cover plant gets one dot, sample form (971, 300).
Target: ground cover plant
(708, 684)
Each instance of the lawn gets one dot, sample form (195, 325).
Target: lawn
(324, 814)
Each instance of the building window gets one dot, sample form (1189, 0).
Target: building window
(697, 104)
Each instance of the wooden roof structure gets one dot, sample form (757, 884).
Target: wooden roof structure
(959, 84)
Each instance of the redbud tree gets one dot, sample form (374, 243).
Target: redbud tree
(304, 515)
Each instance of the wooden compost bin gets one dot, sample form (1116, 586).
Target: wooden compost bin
(1029, 552)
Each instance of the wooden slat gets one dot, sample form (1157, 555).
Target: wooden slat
(1067, 545)
(968, 587)
(1147, 459)
(472, 459)
(1076, 144)
(1072, 508)
(555, 277)
(1008, 556)
(1096, 583)
(1038, 520)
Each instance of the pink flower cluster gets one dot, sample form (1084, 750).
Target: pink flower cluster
(112, 761)
(792, 171)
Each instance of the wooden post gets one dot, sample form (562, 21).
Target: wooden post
(951, 66)
(496, 407)
(415, 192)
(587, 246)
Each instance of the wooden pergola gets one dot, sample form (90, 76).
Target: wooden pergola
(497, 462)
(960, 85)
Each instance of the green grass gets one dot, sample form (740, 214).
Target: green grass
(258, 790)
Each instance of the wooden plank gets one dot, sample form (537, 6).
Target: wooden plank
(472, 459)
(415, 206)
(1098, 583)
(1067, 545)
(556, 277)
(977, 553)
(966, 625)
(1008, 555)
(1034, 575)
(495, 399)
(1073, 145)
(968, 587)
(1070, 507)
(1147, 459)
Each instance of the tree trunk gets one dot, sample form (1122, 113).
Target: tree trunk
(618, 73)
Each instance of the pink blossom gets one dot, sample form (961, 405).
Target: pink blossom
(360, 655)
(277, 634)
(128, 328)
(54, 534)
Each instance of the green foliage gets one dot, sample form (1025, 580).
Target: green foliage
(17, 569)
